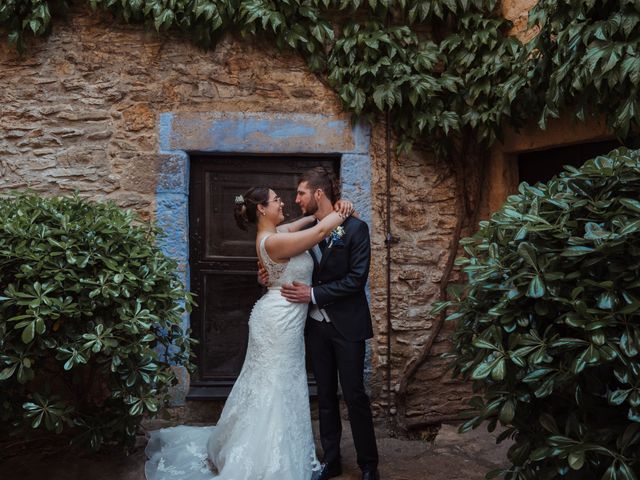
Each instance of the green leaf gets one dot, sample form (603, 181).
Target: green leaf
(548, 423)
(507, 412)
(576, 460)
(610, 473)
(625, 472)
(480, 343)
(540, 454)
(482, 371)
(576, 251)
(499, 370)
(606, 301)
(28, 333)
(536, 287)
(618, 397)
(8, 372)
(631, 204)
(631, 227)
(628, 344)
(379, 96)
(526, 251)
(561, 441)
(40, 326)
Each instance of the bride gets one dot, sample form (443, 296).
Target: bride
(264, 431)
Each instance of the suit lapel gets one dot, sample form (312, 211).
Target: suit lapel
(314, 251)
(327, 252)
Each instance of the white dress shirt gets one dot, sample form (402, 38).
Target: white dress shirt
(316, 312)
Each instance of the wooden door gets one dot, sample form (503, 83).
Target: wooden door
(223, 258)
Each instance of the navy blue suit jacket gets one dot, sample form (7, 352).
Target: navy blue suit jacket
(339, 281)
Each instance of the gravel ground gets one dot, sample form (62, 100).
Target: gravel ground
(450, 457)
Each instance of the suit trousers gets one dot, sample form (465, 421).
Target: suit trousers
(332, 358)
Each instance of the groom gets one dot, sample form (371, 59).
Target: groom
(339, 323)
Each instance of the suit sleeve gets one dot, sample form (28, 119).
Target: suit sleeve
(356, 278)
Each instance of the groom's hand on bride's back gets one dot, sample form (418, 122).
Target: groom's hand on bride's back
(296, 292)
(263, 276)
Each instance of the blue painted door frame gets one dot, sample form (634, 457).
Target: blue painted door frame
(185, 133)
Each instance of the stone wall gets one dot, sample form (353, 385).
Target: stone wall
(80, 112)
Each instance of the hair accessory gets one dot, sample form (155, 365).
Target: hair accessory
(239, 200)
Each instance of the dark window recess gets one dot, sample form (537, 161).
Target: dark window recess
(541, 165)
(223, 258)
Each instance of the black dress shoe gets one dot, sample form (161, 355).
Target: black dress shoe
(328, 470)
(370, 475)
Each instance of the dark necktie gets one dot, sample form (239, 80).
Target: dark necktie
(323, 245)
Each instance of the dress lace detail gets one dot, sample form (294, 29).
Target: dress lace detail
(274, 269)
(264, 431)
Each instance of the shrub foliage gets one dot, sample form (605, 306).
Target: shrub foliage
(549, 323)
(90, 318)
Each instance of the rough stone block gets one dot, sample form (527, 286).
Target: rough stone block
(172, 216)
(173, 173)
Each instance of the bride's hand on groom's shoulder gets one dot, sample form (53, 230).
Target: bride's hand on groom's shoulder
(344, 208)
(296, 292)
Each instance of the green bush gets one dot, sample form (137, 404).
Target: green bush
(549, 323)
(90, 319)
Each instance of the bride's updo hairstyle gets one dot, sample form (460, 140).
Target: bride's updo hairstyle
(246, 206)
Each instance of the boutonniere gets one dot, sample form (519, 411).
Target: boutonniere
(335, 239)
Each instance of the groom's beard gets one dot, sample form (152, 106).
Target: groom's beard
(312, 208)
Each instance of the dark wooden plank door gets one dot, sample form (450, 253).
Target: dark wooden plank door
(223, 258)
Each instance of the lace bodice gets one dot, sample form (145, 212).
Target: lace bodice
(298, 268)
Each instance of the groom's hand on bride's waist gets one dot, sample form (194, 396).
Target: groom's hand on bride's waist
(263, 276)
(296, 292)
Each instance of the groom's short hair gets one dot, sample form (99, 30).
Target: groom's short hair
(324, 179)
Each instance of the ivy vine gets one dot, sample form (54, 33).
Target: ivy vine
(442, 69)
(587, 58)
(438, 67)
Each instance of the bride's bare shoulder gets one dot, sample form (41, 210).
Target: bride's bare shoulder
(273, 246)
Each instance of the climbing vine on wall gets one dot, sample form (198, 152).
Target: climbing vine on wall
(587, 57)
(439, 67)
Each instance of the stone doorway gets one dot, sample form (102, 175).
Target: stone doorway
(187, 135)
(223, 257)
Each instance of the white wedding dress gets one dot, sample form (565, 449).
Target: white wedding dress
(264, 431)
